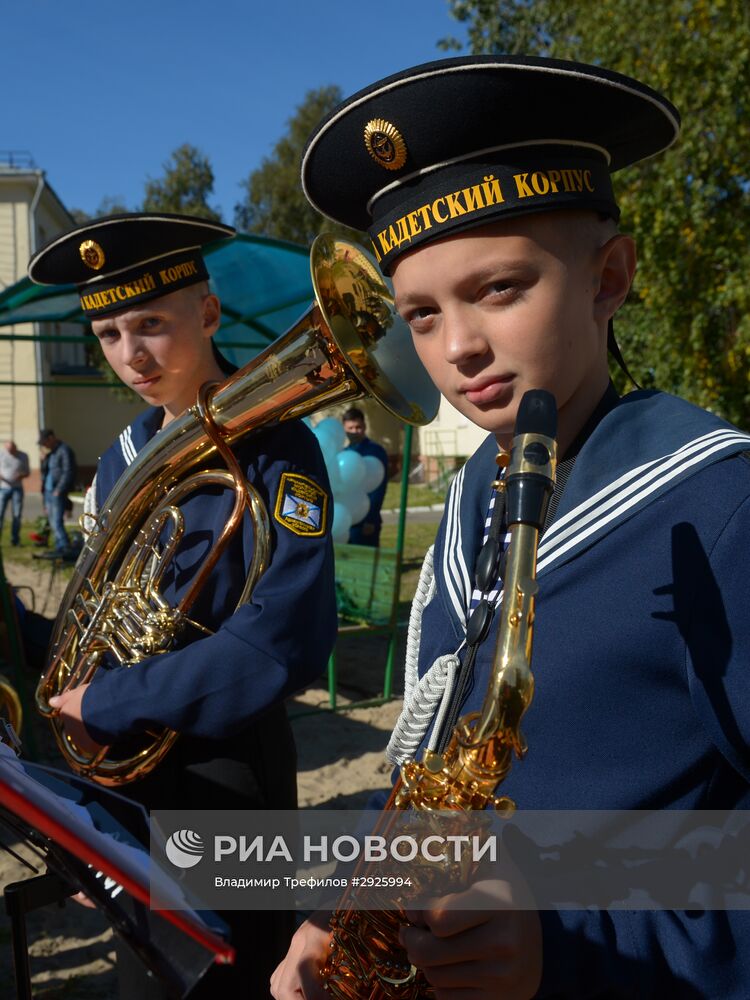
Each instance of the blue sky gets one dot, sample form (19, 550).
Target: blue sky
(102, 92)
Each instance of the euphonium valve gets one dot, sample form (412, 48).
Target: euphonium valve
(350, 343)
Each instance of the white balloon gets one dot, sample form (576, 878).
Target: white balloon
(374, 473)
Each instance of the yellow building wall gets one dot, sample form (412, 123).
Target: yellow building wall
(18, 403)
(89, 419)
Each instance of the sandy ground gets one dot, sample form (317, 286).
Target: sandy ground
(341, 761)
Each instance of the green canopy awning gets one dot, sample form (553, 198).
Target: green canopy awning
(264, 285)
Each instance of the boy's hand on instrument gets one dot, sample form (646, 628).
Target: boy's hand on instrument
(472, 954)
(297, 977)
(69, 707)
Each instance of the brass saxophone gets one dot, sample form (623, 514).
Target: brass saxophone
(366, 961)
(350, 343)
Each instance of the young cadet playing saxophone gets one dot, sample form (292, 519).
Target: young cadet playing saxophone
(144, 286)
(485, 185)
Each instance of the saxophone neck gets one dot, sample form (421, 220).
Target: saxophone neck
(511, 685)
(528, 484)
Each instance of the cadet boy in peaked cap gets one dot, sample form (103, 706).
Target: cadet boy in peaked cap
(143, 285)
(484, 183)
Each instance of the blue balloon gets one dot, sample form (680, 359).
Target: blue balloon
(359, 506)
(332, 467)
(374, 473)
(330, 453)
(351, 469)
(332, 429)
(342, 522)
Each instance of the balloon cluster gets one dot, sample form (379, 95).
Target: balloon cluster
(352, 477)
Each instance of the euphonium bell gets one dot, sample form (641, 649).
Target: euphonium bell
(350, 343)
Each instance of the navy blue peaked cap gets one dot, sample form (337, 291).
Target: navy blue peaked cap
(458, 143)
(121, 260)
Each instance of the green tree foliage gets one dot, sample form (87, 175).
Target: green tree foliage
(107, 206)
(111, 205)
(686, 326)
(502, 25)
(274, 203)
(79, 216)
(186, 186)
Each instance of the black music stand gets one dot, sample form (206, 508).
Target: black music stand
(67, 823)
(22, 898)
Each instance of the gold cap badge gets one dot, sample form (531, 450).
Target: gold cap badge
(385, 144)
(92, 255)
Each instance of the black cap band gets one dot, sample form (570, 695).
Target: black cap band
(159, 277)
(123, 260)
(478, 193)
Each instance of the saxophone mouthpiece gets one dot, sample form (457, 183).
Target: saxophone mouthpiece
(537, 414)
(530, 477)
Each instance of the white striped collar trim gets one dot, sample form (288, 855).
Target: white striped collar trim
(613, 501)
(126, 446)
(455, 571)
(629, 491)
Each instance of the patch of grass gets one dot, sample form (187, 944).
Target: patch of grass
(419, 537)
(419, 496)
(27, 550)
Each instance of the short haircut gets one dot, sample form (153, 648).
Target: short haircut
(353, 414)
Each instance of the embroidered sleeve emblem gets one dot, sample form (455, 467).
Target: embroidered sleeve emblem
(301, 505)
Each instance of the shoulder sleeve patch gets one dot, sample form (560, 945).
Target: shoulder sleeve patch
(301, 505)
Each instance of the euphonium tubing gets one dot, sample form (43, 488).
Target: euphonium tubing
(10, 705)
(350, 343)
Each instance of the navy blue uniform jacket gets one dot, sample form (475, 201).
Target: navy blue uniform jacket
(270, 647)
(224, 693)
(642, 670)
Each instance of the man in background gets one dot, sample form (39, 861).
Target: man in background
(14, 468)
(58, 481)
(367, 532)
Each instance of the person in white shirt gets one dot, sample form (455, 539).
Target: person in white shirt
(14, 468)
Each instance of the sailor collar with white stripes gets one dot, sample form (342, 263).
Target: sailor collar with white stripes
(490, 563)
(489, 559)
(640, 450)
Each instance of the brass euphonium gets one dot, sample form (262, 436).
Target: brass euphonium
(366, 960)
(349, 343)
(10, 705)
